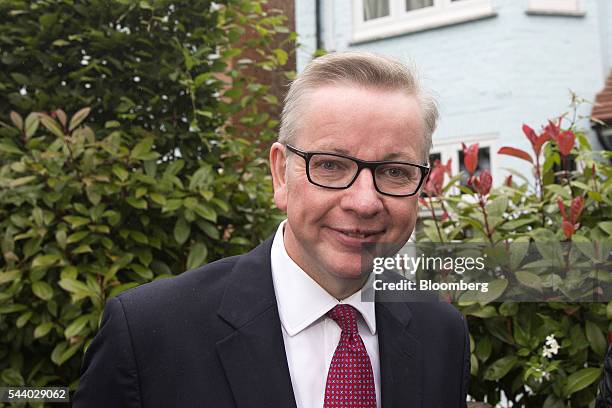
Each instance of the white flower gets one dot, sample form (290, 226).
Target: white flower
(551, 347)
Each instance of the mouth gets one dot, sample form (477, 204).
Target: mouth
(354, 237)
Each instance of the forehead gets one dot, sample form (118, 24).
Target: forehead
(368, 123)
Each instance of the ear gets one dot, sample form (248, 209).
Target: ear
(279, 180)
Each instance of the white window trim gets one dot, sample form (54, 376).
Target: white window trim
(554, 7)
(399, 21)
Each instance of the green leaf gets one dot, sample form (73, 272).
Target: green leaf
(158, 198)
(281, 55)
(76, 287)
(182, 229)
(580, 380)
(76, 237)
(43, 290)
(12, 308)
(484, 348)
(205, 212)
(500, 368)
(10, 376)
(121, 173)
(23, 319)
(76, 326)
(82, 249)
(529, 279)
(21, 181)
(57, 352)
(9, 276)
(498, 206)
(197, 255)
(560, 191)
(45, 260)
(139, 237)
(42, 329)
(606, 226)
(20, 78)
(17, 120)
(51, 125)
(495, 289)
(208, 228)
(10, 148)
(596, 339)
(482, 312)
(142, 148)
(139, 203)
(78, 117)
(75, 221)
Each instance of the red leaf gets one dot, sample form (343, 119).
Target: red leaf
(565, 142)
(530, 133)
(511, 151)
(568, 229)
(482, 184)
(576, 209)
(470, 157)
(561, 208)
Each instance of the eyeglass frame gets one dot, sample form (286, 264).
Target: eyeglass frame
(361, 164)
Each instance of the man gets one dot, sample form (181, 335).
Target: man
(284, 325)
(604, 398)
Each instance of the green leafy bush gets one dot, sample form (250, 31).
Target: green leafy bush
(537, 354)
(156, 176)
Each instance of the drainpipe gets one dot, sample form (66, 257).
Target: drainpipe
(318, 24)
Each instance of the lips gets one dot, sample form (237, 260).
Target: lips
(358, 233)
(355, 237)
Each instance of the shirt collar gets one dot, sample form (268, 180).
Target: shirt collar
(301, 301)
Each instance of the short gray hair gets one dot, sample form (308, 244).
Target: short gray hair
(359, 68)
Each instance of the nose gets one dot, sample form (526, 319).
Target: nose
(361, 197)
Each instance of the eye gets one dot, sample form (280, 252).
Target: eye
(396, 172)
(329, 165)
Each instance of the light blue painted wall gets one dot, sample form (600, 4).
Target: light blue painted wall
(492, 75)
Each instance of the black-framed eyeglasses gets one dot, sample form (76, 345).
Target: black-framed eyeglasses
(338, 171)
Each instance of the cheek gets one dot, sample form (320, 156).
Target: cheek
(309, 204)
(404, 214)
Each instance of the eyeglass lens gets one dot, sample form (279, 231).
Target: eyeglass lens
(338, 172)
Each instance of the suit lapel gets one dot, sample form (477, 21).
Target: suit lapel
(401, 362)
(253, 356)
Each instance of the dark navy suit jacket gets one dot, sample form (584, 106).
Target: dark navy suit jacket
(211, 337)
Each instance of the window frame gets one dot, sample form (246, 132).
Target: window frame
(569, 7)
(399, 21)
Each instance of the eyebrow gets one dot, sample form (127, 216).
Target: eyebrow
(391, 156)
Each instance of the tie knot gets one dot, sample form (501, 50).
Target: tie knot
(346, 317)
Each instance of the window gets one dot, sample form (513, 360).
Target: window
(375, 19)
(569, 7)
(484, 163)
(451, 149)
(373, 9)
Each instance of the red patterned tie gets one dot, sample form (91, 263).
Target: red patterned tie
(350, 382)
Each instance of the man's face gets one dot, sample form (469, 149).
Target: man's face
(326, 228)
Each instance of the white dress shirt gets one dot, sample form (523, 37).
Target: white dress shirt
(310, 336)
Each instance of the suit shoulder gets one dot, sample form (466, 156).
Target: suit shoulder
(439, 315)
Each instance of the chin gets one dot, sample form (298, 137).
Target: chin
(349, 269)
